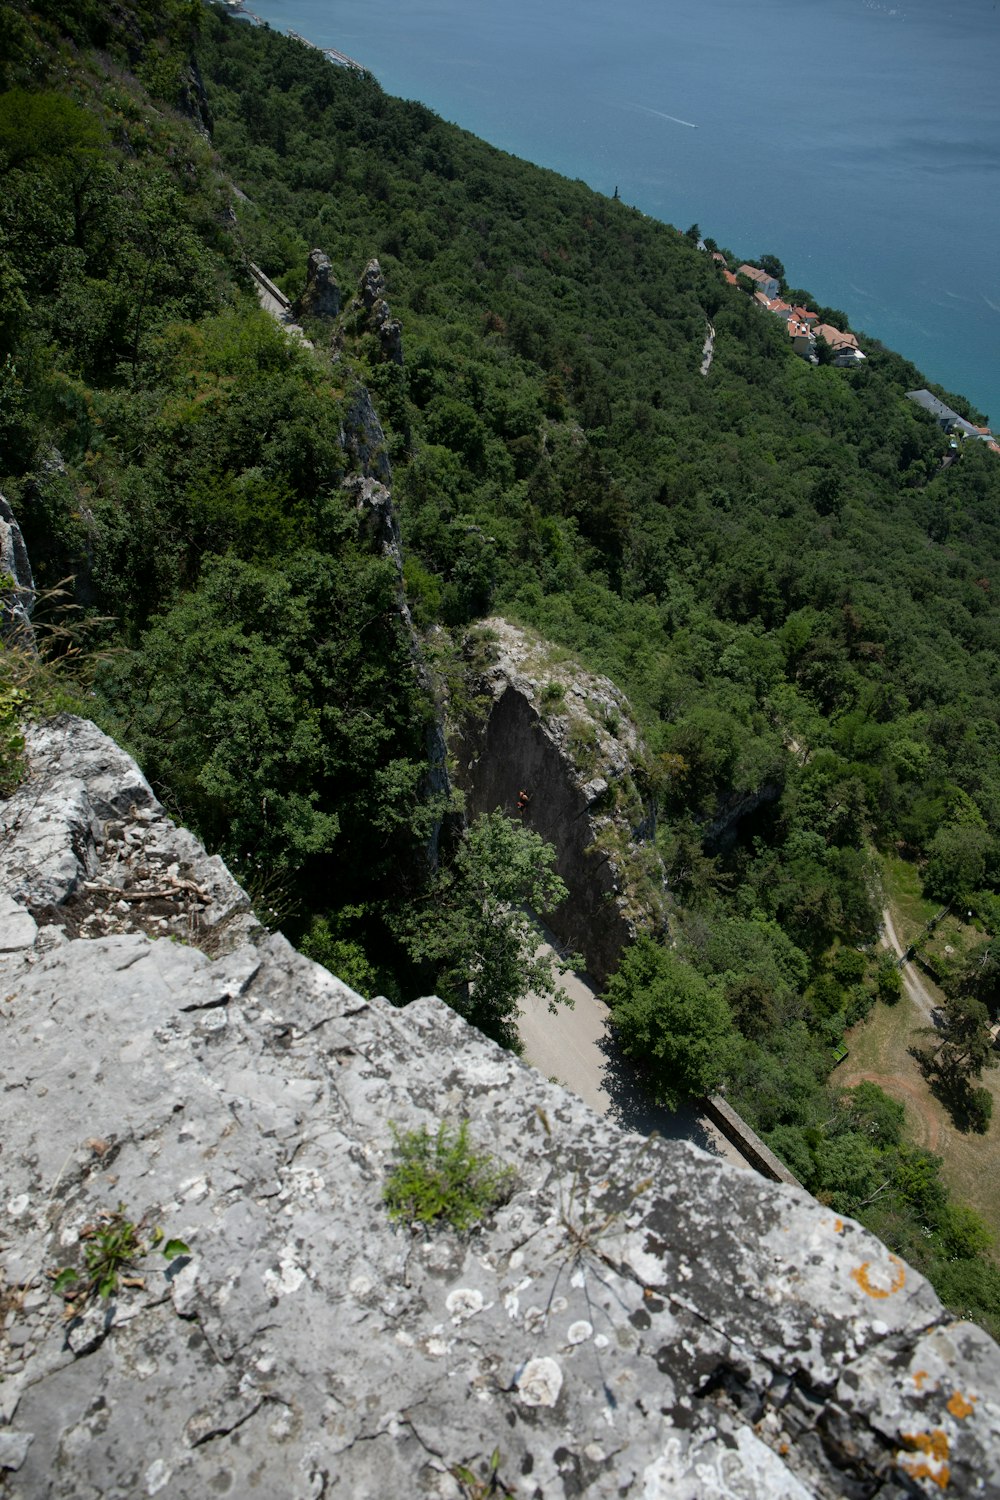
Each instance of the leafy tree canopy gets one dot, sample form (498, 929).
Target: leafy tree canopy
(670, 1021)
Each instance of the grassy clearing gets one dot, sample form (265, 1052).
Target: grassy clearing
(911, 910)
(950, 943)
(879, 1051)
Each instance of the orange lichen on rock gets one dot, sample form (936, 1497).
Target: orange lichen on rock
(838, 1226)
(860, 1275)
(960, 1407)
(919, 1376)
(934, 1465)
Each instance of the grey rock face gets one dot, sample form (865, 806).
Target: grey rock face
(17, 596)
(321, 298)
(371, 288)
(85, 845)
(638, 1319)
(363, 437)
(373, 503)
(371, 296)
(565, 737)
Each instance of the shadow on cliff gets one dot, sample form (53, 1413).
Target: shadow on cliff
(632, 1109)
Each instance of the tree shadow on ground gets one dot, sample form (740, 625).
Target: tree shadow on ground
(968, 1108)
(632, 1108)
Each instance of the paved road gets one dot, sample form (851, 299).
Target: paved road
(912, 982)
(575, 1048)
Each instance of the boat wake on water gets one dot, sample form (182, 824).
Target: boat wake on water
(662, 116)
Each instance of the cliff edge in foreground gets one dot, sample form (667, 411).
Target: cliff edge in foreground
(637, 1319)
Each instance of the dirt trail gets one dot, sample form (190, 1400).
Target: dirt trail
(912, 982)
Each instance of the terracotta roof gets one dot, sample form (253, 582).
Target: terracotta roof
(730, 278)
(993, 447)
(835, 336)
(718, 255)
(755, 273)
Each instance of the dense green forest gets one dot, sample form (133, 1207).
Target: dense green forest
(772, 560)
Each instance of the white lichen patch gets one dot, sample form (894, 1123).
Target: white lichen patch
(464, 1302)
(579, 1332)
(539, 1382)
(288, 1277)
(156, 1476)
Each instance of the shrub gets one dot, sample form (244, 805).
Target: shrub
(980, 1110)
(443, 1177)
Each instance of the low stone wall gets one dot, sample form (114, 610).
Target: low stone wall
(747, 1142)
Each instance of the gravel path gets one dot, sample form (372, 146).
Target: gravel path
(912, 982)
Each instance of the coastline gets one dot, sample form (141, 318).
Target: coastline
(903, 276)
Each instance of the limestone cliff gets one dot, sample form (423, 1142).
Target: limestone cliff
(637, 1319)
(17, 586)
(321, 295)
(543, 726)
(371, 303)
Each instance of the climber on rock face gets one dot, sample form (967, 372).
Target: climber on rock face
(523, 799)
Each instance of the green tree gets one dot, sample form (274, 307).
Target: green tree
(966, 1047)
(671, 1021)
(956, 861)
(772, 265)
(476, 926)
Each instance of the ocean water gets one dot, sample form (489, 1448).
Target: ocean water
(858, 140)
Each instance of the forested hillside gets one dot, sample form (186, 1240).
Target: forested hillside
(772, 560)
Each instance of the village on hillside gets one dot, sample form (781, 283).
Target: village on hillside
(805, 328)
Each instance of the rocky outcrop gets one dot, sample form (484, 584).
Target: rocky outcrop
(565, 738)
(321, 298)
(363, 438)
(638, 1318)
(17, 586)
(371, 298)
(86, 848)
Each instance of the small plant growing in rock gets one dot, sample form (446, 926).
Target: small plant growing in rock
(444, 1178)
(553, 696)
(475, 1487)
(112, 1249)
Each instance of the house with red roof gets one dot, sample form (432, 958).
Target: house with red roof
(765, 283)
(844, 344)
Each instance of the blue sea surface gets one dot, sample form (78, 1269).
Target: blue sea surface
(857, 140)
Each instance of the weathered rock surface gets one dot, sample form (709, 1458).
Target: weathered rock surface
(17, 586)
(387, 329)
(321, 298)
(85, 845)
(637, 1319)
(363, 437)
(565, 737)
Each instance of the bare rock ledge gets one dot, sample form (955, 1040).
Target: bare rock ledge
(639, 1319)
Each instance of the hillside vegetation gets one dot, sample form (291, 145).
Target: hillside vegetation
(770, 560)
